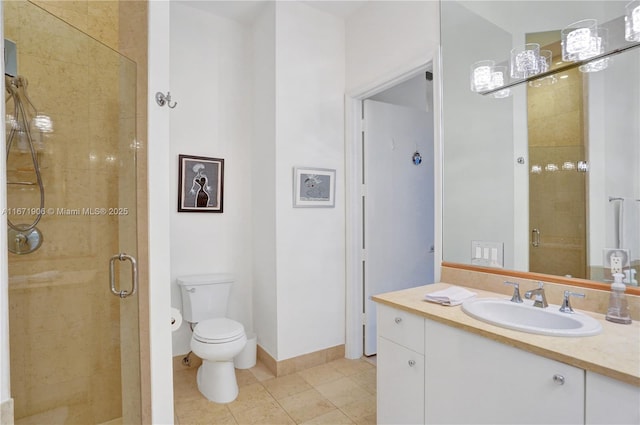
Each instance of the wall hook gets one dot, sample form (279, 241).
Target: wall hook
(162, 100)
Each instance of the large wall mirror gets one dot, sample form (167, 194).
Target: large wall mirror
(541, 170)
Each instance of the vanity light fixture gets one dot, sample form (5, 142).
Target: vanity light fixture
(632, 21)
(578, 40)
(525, 60)
(481, 75)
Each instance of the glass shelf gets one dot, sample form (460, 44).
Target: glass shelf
(564, 67)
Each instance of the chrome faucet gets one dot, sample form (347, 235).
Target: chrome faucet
(566, 305)
(515, 298)
(540, 299)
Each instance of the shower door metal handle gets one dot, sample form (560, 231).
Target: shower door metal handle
(535, 238)
(112, 275)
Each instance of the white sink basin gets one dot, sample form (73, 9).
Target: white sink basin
(526, 318)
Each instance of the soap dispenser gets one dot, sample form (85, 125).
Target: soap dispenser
(618, 311)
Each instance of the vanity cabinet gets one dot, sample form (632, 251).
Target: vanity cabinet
(609, 401)
(473, 379)
(400, 367)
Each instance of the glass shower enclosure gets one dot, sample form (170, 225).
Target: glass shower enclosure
(74, 334)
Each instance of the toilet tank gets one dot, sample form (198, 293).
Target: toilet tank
(204, 296)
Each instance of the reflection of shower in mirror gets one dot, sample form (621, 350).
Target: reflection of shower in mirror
(24, 122)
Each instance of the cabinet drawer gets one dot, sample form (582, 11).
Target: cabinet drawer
(401, 327)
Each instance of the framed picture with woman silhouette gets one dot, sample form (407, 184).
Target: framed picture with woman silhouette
(200, 184)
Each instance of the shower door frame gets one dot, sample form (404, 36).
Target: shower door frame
(141, 302)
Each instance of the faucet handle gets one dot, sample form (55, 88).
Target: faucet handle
(515, 298)
(566, 305)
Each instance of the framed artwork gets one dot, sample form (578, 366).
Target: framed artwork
(314, 187)
(200, 184)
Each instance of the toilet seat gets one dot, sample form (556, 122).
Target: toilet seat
(218, 331)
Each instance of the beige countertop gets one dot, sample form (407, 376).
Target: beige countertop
(615, 352)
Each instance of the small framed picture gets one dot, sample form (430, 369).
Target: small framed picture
(200, 184)
(314, 187)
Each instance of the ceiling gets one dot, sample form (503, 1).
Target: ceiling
(245, 11)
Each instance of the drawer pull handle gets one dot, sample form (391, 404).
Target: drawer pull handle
(558, 379)
(412, 363)
(398, 320)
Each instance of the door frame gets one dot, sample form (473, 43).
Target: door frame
(353, 171)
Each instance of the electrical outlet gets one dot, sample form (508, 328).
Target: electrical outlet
(616, 265)
(616, 259)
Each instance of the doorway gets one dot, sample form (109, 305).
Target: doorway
(394, 223)
(74, 338)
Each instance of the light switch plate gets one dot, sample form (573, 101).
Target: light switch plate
(487, 254)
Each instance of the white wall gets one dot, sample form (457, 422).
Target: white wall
(263, 160)
(614, 155)
(385, 38)
(211, 81)
(478, 142)
(310, 52)
(159, 208)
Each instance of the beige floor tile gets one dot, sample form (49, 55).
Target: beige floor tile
(368, 420)
(342, 391)
(306, 405)
(360, 409)
(366, 379)
(244, 377)
(185, 386)
(199, 411)
(250, 396)
(321, 374)
(350, 367)
(261, 372)
(264, 413)
(335, 417)
(286, 385)
(196, 418)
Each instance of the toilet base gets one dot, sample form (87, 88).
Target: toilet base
(217, 381)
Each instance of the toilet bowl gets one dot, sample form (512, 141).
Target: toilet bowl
(216, 339)
(217, 342)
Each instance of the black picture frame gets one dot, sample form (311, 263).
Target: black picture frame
(200, 184)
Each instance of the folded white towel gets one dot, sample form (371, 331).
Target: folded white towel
(453, 295)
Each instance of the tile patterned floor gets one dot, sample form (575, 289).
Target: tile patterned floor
(339, 392)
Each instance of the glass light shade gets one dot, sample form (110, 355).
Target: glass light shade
(525, 61)
(632, 21)
(578, 40)
(499, 78)
(536, 169)
(481, 75)
(546, 56)
(551, 167)
(568, 166)
(598, 47)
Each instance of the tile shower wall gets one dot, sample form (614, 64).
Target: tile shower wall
(59, 365)
(557, 198)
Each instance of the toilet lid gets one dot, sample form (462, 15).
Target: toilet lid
(216, 331)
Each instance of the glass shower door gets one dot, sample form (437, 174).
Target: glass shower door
(74, 345)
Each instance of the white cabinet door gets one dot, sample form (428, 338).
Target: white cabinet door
(470, 379)
(609, 401)
(400, 384)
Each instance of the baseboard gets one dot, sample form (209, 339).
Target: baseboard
(6, 412)
(296, 364)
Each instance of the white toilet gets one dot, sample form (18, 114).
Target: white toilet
(216, 339)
